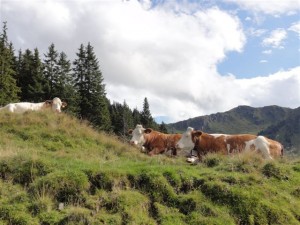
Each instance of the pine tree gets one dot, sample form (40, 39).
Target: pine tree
(163, 128)
(146, 117)
(136, 116)
(128, 121)
(64, 88)
(8, 85)
(30, 76)
(116, 115)
(51, 70)
(89, 81)
(36, 88)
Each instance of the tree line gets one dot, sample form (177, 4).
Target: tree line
(26, 77)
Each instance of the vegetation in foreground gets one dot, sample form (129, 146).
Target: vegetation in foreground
(55, 169)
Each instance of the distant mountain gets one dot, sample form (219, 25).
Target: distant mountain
(279, 123)
(286, 131)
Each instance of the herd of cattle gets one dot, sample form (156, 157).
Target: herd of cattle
(154, 142)
(198, 142)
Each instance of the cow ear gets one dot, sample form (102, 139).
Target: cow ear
(148, 130)
(198, 133)
(64, 104)
(130, 132)
(48, 102)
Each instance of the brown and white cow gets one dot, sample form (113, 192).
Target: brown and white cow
(56, 104)
(152, 141)
(205, 143)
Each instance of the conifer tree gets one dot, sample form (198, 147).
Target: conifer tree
(51, 70)
(136, 116)
(8, 85)
(36, 88)
(146, 117)
(30, 76)
(116, 115)
(89, 81)
(64, 87)
(163, 128)
(128, 121)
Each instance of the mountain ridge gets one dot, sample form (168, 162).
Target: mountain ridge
(270, 121)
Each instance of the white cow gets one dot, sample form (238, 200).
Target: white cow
(56, 104)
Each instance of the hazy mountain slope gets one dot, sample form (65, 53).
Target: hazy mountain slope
(242, 119)
(282, 124)
(287, 131)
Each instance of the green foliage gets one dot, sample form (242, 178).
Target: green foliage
(9, 89)
(273, 170)
(65, 186)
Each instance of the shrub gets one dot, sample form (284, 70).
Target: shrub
(65, 186)
(76, 216)
(23, 170)
(132, 205)
(273, 170)
(212, 160)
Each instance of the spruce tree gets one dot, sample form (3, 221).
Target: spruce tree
(8, 85)
(64, 87)
(146, 117)
(51, 70)
(163, 128)
(36, 88)
(89, 81)
(30, 76)
(128, 121)
(136, 116)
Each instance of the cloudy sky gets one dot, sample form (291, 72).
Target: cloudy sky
(188, 57)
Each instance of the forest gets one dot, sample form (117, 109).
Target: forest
(28, 76)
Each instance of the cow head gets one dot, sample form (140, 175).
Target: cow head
(138, 135)
(188, 139)
(56, 104)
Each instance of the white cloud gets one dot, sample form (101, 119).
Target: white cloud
(276, 38)
(165, 55)
(256, 32)
(296, 28)
(272, 7)
(267, 52)
(281, 88)
(263, 61)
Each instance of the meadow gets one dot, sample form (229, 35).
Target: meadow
(55, 169)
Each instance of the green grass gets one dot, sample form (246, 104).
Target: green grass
(55, 169)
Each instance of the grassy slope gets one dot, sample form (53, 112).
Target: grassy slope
(47, 160)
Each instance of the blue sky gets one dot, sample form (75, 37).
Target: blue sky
(253, 61)
(189, 58)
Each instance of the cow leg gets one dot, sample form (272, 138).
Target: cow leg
(155, 151)
(174, 151)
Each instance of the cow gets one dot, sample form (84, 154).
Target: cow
(153, 142)
(56, 104)
(228, 144)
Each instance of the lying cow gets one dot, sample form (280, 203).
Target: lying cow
(205, 143)
(153, 142)
(56, 104)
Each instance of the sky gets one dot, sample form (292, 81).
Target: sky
(188, 57)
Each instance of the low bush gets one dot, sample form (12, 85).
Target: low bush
(64, 186)
(271, 169)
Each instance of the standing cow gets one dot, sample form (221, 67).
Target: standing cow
(56, 104)
(153, 142)
(205, 143)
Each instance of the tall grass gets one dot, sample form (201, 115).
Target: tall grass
(55, 169)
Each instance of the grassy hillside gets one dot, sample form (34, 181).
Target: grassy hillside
(55, 169)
